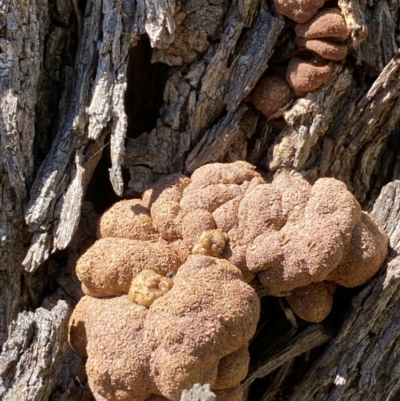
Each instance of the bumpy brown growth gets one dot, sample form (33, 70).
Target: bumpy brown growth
(270, 94)
(298, 10)
(190, 335)
(328, 50)
(300, 239)
(328, 23)
(312, 302)
(108, 267)
(306, 76)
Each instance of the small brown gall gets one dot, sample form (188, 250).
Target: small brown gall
(270, 94)
(328, 23)
(298, 10)
(306, 76)
(327, 50)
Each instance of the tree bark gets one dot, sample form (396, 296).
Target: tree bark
(143, 88)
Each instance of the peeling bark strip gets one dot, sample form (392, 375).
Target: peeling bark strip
(251, 63)
(23, 25)
(196, 100)
(32, 354)
(94, 109)
(216, 142)
(363, 363)
(310, 338)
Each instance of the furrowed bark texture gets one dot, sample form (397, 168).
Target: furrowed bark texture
(32, 354)
(23, 25)
(63, 85)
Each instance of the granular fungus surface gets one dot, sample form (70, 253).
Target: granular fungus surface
(167, 303)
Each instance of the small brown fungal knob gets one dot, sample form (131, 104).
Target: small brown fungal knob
(211, 243)
(312, 303)
(270, 94)
(147, 286)
(298, 10)
(306, 76)
(328, 23)
(327, 50)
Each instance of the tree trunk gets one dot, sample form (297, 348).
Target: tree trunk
(100, 98)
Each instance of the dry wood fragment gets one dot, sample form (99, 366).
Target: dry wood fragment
(32, 354)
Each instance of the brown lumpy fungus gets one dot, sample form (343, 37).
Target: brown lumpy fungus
(178, 297)
(127, 219)
(109, 265)
(306, 76)
(313, 302)
(326, 49)
(328, 23)
(364, 255)
(298, 10)
(270, 94)
(310, 248)
(190, 335)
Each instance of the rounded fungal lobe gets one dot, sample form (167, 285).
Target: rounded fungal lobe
(208, 314)
(118, 357)
(326, 49)
(313, 302)
(107, 268)
(127, 219)
(328, 23)
(312, 246)
(147, 286)
(164, 199)
(306, 76)
(364, 256)
(270, 94)
(298, 10)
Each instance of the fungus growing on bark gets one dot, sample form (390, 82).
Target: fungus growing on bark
(270, 94)
(328, 50)
(108, 267)
(190, 335)
(127, 219)
(313, 302)
(306, 76)
(318, 244)
(300, 239)
(328, 23)
(298, 10)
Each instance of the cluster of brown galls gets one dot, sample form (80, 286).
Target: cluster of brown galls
(167, 303)
(322, 33)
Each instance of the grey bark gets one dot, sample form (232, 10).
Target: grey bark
(66, 101)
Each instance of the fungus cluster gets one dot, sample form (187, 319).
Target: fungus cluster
(320, 39)
(167, 304)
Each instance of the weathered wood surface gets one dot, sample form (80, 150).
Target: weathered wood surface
(294, 345)
(23, 25)
(57, 111)
(32, 354)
